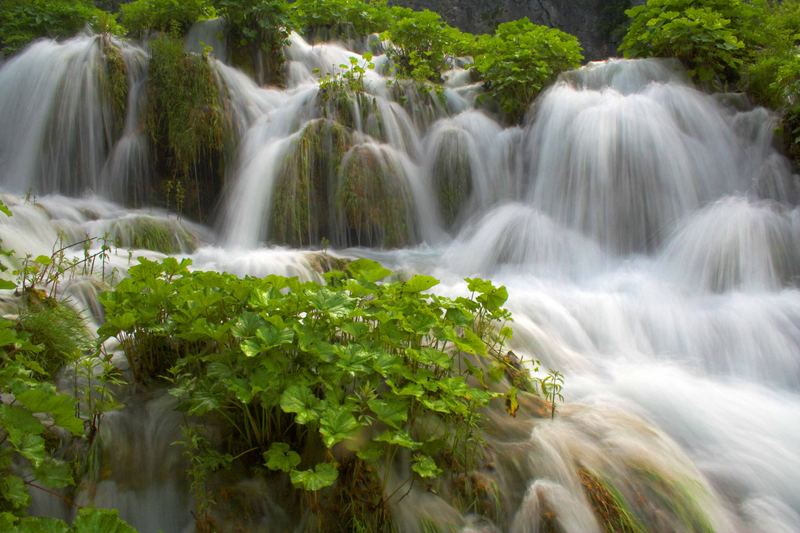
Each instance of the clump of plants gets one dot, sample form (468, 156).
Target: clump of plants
(329, 19)
(186, 123)
(143, 16)
(420, 43)
(713, 38)
(257, 31)
(519, 60)
(35, 416)
(22, 21)
(319, 387)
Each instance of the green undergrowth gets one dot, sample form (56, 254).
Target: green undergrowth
(318, 389)
(141, 17)
(187, 125)
(679, 498)
(22, 21)
(609, 505)
(36, 417)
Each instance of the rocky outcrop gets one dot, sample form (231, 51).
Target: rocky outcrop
(599, 24)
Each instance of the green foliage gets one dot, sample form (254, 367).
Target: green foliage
(773, 79)
(713, 38)
(340, 17)
(142, 16)
(519, 60)
(310, 380)
(186, 123)
(350, 78)
(420, 41)
(22, 21)
(255, 26)
(89, 520)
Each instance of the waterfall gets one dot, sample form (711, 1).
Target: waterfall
(646, 231)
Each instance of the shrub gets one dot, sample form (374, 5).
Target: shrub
(258, 28)
(713, 38)
(22, 21)
(324, 385)
(520, 59)
(331, 17)
(421, 39)
(141, 16)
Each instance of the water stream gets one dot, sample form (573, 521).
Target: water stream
(646, 231)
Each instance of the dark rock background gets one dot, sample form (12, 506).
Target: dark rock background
(599, 24)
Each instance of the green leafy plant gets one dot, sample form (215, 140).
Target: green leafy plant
(713, 38)
(519, 60)
(327, 385)
(143, 16)
(22, 21)
(349, 79)
(551, 385)
(331, 18)
(257, 30)
(421, 40)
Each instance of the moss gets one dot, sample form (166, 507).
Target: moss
(371, 202)
(452, 174)
(424, 101)
(148, 233)
(675, 497)
(115, 83)
(300, 211)
(186, 123)
(609, 505)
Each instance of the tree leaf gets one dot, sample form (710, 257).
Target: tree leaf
(281, 457)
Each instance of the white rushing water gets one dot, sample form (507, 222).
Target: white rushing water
(645, 230)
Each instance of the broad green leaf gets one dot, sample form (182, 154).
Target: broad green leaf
(13, 489)
(38, 524)
(54, 474)
(91, 520)
(299, 399)
(419, 283)
(392, 412)
(7, 285)
(281, 457)
(425, 467)
(398, 438)
(323, 475)
(270, 336)
(337, 424)
(60, 406)
(368, 270)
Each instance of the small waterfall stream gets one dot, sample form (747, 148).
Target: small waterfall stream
(646, 231)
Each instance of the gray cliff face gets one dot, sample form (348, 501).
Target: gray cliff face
(597, 23)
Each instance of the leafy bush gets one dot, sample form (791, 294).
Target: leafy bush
(421, 39)
(258, 28)
(328, 17)
(713, 38)
(318, 382)
(141, 16)
(520, 59)
(22, 21)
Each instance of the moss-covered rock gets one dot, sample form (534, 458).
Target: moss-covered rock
(186, 123)
(150, 233)
(452, 173)
(114, 80)
(300, 212)
(609, 505)
(372, 201)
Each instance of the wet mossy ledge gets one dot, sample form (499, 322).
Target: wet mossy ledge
(188, 128)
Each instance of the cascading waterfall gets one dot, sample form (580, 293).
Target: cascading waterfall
(644, 229)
